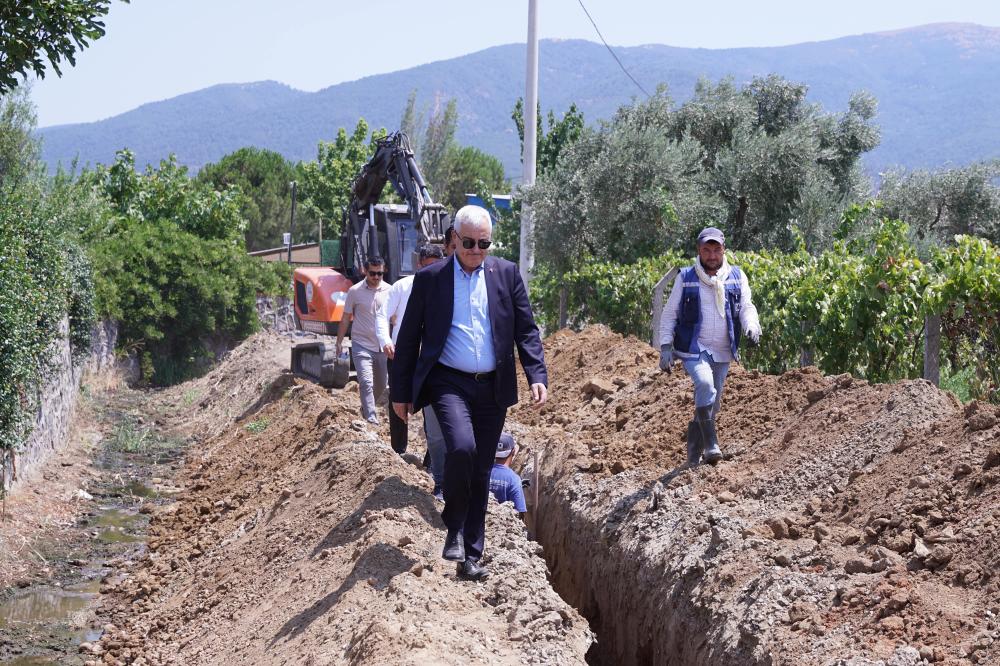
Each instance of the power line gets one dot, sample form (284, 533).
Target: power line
(613, 54)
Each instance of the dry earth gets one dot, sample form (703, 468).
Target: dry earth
(854, 523)
(302, 538)
(851, 524)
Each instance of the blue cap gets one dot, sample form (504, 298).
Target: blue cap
(506, 445)
(711, 234)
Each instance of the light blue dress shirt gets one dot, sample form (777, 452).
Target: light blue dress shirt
(469, 346)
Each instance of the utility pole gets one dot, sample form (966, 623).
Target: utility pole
(527, 264)
(291, 222)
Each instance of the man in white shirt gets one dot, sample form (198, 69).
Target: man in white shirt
(703, 321)
(390, 318)
(363, 302)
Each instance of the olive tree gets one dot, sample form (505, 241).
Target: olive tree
(761, 162)
(938, 205)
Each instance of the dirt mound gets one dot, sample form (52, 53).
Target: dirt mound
(853, 521)
(302, 538)
(208, 405)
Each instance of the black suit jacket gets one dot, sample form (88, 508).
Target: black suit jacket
(427, 323)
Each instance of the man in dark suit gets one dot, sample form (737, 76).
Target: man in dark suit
(455, 351)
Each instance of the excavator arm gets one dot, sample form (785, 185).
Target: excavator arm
(394, 162)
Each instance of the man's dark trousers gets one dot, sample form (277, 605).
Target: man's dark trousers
(398, 434)
(471, 422)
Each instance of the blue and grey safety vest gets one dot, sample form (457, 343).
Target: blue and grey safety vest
(688, 325)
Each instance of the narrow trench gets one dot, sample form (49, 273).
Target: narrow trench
(633, 625)
(44, 623)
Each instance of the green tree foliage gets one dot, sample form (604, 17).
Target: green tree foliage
(176, 294)
(171, 267)
(44, 275)
(759, 162)
(468, 170)
(34, 282)
(622, 192)
(325, 186)
(33, 32)
(550, 145)
(263, 177)
(412, 122)
(450, 169)
(168, 194)
(938, 205)
(437, 146)
(18, 147)
(774, 160)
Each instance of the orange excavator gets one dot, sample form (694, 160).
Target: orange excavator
(392, 232)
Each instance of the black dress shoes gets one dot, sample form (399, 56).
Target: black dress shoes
(470, 569)
(454, 546)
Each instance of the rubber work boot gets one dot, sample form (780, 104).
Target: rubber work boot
(713, 453)
(694, 443)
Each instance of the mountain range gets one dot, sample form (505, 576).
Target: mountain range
(937, 85)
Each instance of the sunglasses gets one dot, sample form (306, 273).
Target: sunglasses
(378, 273)
(469, 243)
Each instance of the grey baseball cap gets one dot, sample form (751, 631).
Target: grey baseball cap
(506, 445)
(711, 234)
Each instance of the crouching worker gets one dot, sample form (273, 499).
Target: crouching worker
(505, 484)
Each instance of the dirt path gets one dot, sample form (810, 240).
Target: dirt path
(851, 524)
(300, 537)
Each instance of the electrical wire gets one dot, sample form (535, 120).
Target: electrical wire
(613, 54)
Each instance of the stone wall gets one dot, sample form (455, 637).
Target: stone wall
(276, 314)
(57, 398)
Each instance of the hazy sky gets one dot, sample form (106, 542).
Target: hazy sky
(155, 49)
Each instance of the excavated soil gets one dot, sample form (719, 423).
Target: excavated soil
(851, 523)
(301, 537)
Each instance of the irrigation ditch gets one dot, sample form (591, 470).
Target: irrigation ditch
(47, 616)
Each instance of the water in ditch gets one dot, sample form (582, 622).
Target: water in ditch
(46, 622)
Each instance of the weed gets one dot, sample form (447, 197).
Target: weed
(258, 426)
(961, 383)
(189, 397)
(129, 436)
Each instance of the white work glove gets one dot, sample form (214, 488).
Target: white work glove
(667, 358)
(753, 334)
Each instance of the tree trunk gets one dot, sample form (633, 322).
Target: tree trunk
(740, 221)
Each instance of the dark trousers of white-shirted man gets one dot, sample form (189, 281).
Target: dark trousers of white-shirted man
(455, 351)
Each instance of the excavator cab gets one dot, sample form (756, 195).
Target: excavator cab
(319, 299)
(399, 237)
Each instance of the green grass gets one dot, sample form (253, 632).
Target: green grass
(960, 383)
(258, 426)
(130, 436)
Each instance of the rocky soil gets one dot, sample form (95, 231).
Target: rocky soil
(851, 523)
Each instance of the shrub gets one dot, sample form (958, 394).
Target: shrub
(174, 293)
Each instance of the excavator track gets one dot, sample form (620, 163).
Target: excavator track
(318, 362)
